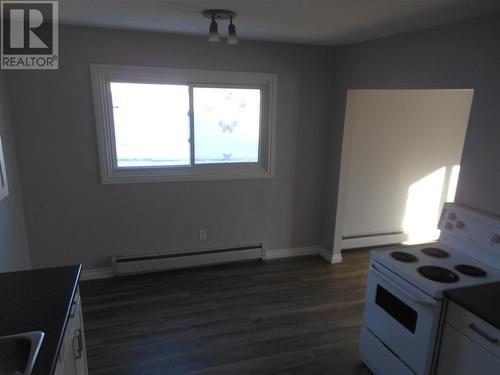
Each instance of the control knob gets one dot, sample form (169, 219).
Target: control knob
(460, 225)
(448, 226)
(452, 216)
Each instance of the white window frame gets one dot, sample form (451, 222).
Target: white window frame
(103, 75)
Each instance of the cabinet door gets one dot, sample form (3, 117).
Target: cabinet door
(72, 357)
(80, 353)
(67, 364)
(461, 356)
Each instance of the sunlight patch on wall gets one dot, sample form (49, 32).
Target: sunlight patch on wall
(452, 185)
(423, 208)
(423, 205)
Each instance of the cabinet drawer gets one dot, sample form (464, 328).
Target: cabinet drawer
(475, 328)
(379, 359)
(459, 355)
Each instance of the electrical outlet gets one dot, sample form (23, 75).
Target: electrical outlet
(203, 234)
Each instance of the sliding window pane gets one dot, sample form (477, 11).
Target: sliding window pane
(151, 124)
(226, 125)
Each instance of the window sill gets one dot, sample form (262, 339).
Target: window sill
(148, 175)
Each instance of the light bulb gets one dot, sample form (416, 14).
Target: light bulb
(232, 38)
(213, 31)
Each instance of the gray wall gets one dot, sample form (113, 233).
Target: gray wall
(71, 217)
(460, 55)
(14, 253)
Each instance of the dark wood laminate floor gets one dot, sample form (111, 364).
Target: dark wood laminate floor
(299, 316)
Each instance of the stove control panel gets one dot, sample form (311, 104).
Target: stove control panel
(480, 230)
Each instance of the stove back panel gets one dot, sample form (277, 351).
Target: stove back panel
(472, 232)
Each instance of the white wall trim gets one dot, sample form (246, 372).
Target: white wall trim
(96, 273)
(329, 256)
(336, 258)
(344, 175)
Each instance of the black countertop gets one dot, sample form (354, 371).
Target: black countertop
(482, 300)
(38, 300)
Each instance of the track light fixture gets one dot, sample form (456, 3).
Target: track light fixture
(213, 32)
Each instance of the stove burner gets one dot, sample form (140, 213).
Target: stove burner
(435, 252)
(439, 274)
(469, 270)
(404, 257)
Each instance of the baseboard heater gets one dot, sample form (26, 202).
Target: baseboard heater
(131, 264)
(373, 239)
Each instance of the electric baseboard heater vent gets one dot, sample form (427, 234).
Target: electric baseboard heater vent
(132, 264)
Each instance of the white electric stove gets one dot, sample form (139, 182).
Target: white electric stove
(404, 305)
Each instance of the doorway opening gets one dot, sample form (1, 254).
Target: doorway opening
(400, 162)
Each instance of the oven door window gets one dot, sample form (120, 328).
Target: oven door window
(400, 311)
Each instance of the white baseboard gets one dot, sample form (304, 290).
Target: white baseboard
(336, 258)
(292, 252)
(329, 257)
(96, 273)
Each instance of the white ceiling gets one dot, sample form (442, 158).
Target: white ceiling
(327, 22)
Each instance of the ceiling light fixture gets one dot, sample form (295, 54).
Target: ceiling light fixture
(217, 15)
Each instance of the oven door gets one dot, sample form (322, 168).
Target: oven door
(404, 318)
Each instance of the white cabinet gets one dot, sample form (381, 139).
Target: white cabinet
(72, 358)
(469, 345)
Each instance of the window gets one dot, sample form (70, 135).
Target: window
(151, 124)
(157, 124)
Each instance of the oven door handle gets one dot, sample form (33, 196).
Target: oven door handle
(402, 290)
